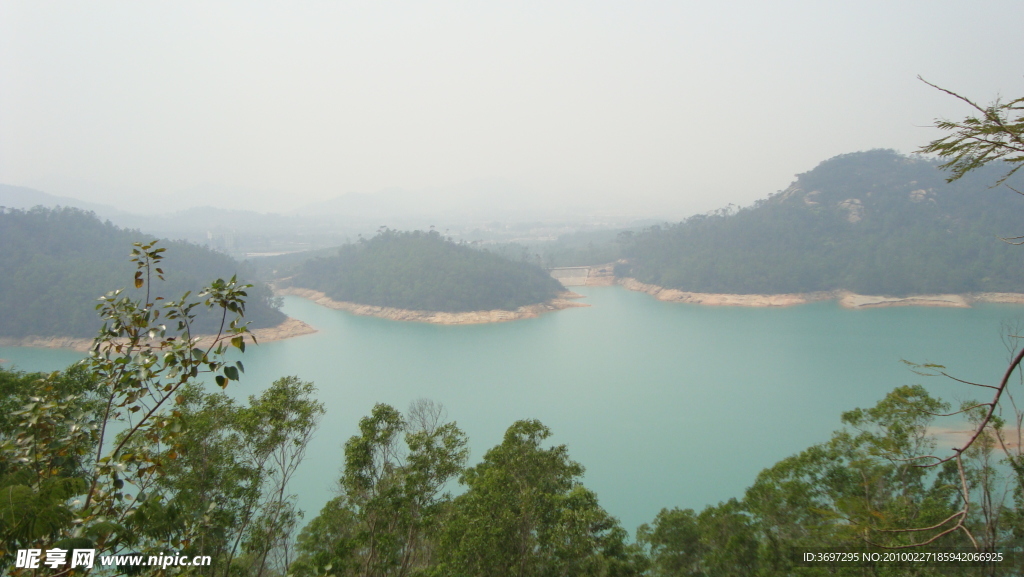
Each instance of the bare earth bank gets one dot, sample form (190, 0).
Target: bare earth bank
(846, 299)
(289, 328)
(564, 301)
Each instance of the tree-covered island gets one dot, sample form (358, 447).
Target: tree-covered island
(425, 272)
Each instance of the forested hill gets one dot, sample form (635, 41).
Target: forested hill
(55, 263)
(424, 271)
(871, 222)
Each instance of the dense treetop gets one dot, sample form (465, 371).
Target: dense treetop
(424, 271)
(57, 262)
(873, 222)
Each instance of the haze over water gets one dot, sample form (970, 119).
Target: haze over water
(664, 404)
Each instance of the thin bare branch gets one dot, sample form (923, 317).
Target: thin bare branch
(955, 413)
(983, 423)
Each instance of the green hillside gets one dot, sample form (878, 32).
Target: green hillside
(424, 271)
(873, 222)
(57, 262)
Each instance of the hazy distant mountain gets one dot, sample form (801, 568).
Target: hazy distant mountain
(235, 231)
(23, 197)
(199, 217)
(482, 199)
(871, 222)
(384, 204)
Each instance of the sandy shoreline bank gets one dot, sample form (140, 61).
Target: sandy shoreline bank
(846, 299)
(286, 330)
(564, 301)
(294, 327)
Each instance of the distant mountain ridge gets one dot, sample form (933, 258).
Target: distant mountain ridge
(873, 222)
(23, 197)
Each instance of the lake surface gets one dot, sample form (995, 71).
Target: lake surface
(665, 404)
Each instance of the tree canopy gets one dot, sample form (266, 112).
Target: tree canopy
(57, 262)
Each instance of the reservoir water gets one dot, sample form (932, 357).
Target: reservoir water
(665, 404)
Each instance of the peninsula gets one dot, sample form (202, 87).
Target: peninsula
(564, 300)
(866, 223)
(56, 262)
(424, 277)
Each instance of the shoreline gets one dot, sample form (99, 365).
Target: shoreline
(565, 300)
(846, 299)
(291, 327)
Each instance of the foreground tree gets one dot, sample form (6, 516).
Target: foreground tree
(861, 491)
(525, 513)
(229, 481)
(995, 133)
(80, 469)
(392, 503)
(720, 541)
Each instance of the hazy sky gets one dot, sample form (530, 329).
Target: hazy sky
(682, 105)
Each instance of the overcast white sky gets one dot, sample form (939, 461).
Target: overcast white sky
(686, 106)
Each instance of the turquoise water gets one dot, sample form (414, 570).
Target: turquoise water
(665, 404)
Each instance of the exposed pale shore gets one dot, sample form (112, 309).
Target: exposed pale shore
(564, 301)
(286, 330)
(846, 299)
(1013, 438)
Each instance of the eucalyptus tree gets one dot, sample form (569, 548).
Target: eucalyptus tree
(863, 490)
(526, 513)
(229, 482)
(392, 496)
(673, 541)
(276, 428)
(78, 468)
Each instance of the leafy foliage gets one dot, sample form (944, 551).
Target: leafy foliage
(871, 222)
(227, 483)
(996, 133)
(424, 271)
(386, 520)
(56, 262)
(863, 489)
(102, 456)
(526, 513)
